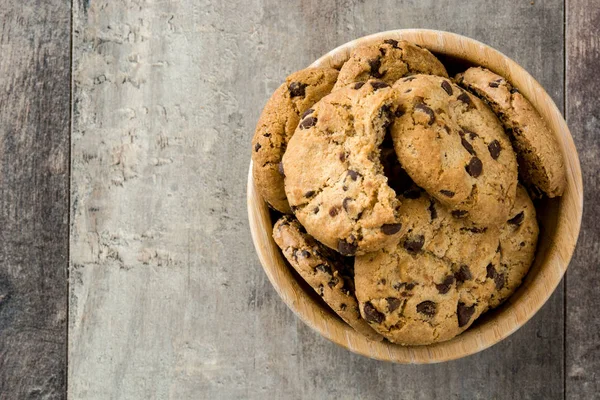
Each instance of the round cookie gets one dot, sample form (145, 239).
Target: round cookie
(431, 286)
(518, 241)
(323, 269)
(388, 61)
(452, 145)
(334, 179)
(276, 125)
(540, 160)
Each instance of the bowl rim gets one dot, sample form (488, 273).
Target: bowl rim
(534, 292)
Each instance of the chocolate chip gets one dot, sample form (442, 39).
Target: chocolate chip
(307, 113)
(391, 229)
(517, 219)
(490, 271)
(444, 287)
(257, 147)
(494, 84)
(345, 203)
(468, 146)
(393, 303)
(305, 253)
(392, 42)
(463, 274)
(447, 87)
(382, 51)
(297, 89)
(432, 210)
(343, 307)
(494, 148)
(353, 174)
(465, 99)
(280, 168)
(423, 108)
(267, 134)
(447, 193)
(398, 285)
(447, 129)
(379, 85)
(371, 313)
(514, 90)
(464, 314)
(294, 208)
(410, 286)
(408, 91)
(342, 157)
(474, 229)
(310, 193)
(345, 248)
(316, 210)
(412, 194)
(427, 307)
(308, 122)
(358, 85)
(475, 167)
(399, 112)
(415, 244)
(333, 211)
(459, 213)
(326, 269)
(499, 280)
(375, 64)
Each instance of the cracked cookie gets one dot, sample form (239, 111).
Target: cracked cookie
(540, 160)
(452, 145)
(327, 272)
(388, 61)
(276, 125)
(431, 286)
(334, 179)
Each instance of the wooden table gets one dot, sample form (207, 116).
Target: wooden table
(126, 265)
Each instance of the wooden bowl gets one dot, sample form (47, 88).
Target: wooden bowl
(559, 219)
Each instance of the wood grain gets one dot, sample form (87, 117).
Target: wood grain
(34, 197)
(167, 296)
(583, 298)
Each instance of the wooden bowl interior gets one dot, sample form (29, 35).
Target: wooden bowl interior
(559, 222)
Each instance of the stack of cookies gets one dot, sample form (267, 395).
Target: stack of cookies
(405, 194)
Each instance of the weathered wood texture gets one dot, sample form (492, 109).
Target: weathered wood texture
(583, 116)
(167, 296)
(34, 197)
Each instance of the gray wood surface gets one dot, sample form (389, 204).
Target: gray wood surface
(583, 116)
(34, 198)
(167, 298)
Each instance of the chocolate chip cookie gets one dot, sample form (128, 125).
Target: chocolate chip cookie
(330, 274)
(388, 60)
(452, 145)
(334, 179)
(540, 161)
(276, 125)
(518, 241)
(431, 286)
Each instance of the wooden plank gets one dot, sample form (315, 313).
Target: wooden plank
(167, 297)
(583, 116)
(34, 196)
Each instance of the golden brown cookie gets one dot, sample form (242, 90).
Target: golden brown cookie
(330, 274)
(431, 286)
(276, 125)
(388, 60)
(334, 179)
(452, 145)
(540, 160)
(518, 242)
